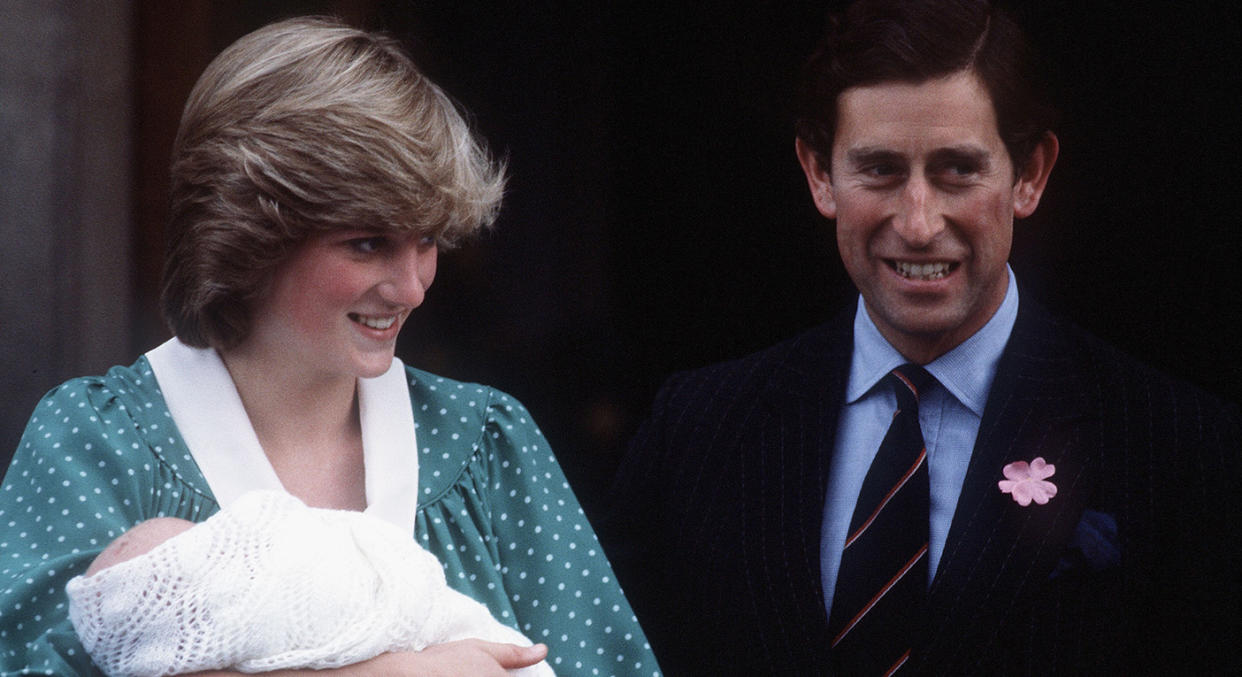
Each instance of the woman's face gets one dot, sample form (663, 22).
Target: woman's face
(337, 305)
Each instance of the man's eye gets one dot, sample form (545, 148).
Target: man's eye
(959, 169)
(367, 245)
(883, 170)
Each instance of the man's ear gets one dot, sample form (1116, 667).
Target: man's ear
(1034, 177)
(818, 179)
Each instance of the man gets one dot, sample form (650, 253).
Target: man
(1076, 510)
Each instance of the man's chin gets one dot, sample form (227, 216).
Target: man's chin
(925, 330)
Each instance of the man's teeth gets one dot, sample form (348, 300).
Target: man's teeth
(922, 271)
(375, 322)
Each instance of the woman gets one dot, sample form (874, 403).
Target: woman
(316, 174)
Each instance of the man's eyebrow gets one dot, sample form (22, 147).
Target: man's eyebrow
(870, 154)
(975, 154)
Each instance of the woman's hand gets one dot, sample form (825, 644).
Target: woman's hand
(463, 658)
(468, 657)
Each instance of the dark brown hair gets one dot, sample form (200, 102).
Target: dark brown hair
(913, 41)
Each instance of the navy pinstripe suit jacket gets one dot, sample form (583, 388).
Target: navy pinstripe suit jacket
(1131, 569)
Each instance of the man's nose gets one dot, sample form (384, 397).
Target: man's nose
(919, 219)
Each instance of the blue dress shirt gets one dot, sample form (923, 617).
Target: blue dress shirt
(949, 414)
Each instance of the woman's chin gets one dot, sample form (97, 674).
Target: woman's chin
(375, 368)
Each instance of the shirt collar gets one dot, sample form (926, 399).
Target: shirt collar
(966, 371)
(209, 414)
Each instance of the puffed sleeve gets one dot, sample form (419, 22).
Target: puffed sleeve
(84, 471)
(511, 534)
(559, 578)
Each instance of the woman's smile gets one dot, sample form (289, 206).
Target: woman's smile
(379, 323)
(373, 321)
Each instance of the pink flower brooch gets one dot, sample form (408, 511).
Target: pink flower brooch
(1027, 482)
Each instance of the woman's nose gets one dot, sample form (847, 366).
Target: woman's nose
(411, 275)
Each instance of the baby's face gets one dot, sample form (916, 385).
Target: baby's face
(139, 540)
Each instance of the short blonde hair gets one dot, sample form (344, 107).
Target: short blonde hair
(304, 126)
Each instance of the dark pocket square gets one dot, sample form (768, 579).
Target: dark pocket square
(1095, 546)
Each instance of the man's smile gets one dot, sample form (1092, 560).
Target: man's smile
(922, 271)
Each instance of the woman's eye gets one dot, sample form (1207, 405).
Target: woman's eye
(367, 245)
(427, 242)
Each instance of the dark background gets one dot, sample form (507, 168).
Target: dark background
(657, 220)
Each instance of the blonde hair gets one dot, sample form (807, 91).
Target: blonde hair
(304, 126)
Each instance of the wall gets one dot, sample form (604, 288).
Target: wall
(65, 208)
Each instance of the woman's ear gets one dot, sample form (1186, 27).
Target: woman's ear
(1034, 176)
(818, 178)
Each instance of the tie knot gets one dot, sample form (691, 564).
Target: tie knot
(909, 380)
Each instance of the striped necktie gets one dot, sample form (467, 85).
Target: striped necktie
(879, 606)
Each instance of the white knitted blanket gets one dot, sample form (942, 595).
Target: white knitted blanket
(270, 583)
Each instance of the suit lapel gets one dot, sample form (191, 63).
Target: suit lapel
(806, 394)
(997, 551)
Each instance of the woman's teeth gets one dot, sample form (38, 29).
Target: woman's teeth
(922, 271)
(374, 322)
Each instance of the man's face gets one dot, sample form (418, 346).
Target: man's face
(924, 196)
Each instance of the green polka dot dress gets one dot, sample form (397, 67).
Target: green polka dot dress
(101, 454)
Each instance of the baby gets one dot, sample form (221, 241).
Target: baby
(267, 584)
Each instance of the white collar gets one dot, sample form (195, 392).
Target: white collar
(208, 411)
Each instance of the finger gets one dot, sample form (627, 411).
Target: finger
(511, 656)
